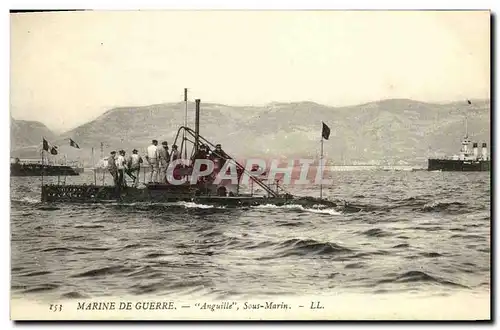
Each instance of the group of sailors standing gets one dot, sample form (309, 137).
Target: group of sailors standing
(119, 165)
(158, 158)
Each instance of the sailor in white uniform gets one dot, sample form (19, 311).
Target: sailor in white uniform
(135, 162)
(121, 166)
(152, 158)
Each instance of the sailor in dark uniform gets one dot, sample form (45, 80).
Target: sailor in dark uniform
(201, 153)
(112, 167)
(174, 155)
(218, 156)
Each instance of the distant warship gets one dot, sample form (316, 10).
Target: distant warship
(467, 161)
(19, 168)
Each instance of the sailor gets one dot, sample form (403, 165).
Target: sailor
(152, 159)
(112, 167)
(126, 165)
(121, 166)
(174, 155)
(134, 166)
(201, 153)
(164, 158)
(218, 156)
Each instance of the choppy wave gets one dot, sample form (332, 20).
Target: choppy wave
(416, 276)
(41, 288)
(303, 248)
(73, 295)
(26, 200)
(102, 271)
(296, 207)
(309, 246)
(437, 206)
(36, 273)
(376, 232)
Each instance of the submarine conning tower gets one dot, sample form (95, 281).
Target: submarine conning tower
(198, 140)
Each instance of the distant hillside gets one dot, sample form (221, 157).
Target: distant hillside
(386, 131)
(24, 133)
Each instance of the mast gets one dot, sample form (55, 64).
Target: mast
(197, 126)
(65, 163)
(466, 130)
(465, 142)
(102, 157)
(93, 167)
(185, 121)
(42, 165)
(321, 170)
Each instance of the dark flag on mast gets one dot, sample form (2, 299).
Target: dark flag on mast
(325, 133)
(45, 145)
(185, 94)
(73, 144)
(468, 101)
(53, 150)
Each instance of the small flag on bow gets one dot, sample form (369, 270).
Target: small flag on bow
(325, 133)
(73, 144)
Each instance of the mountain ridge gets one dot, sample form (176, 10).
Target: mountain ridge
(391, 130)
(25, 133)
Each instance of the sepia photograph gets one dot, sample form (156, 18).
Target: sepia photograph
(250, 165)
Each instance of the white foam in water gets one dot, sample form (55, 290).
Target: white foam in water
(324, 211)
(182, 204)
(299, 207)
(431, 204)
(193, 205)
(27, 199)
(267, 206)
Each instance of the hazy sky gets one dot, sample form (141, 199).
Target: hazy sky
(68, 68)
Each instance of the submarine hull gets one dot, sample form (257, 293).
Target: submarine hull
(458, 165)
(164, 194)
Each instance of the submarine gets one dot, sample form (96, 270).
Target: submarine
(205, 191)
